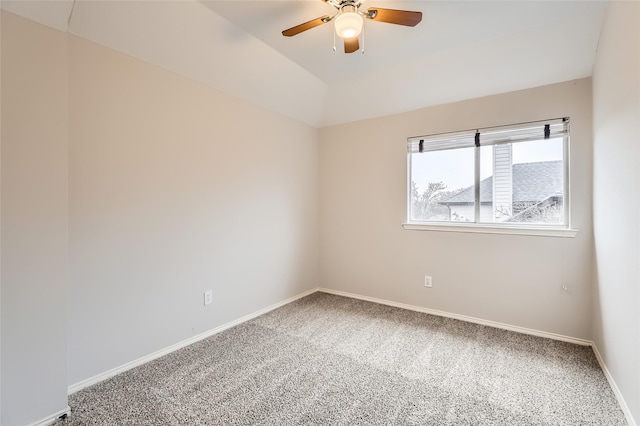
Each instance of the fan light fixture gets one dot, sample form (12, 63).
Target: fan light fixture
(349, 23)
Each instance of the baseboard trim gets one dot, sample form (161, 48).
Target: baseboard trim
(165, 351)
(480, 321)
(616, 391)
(52, 418)
(143, 360)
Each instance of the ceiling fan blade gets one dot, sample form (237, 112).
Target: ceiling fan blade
(351, 45)
(392, 16)
(306, 26)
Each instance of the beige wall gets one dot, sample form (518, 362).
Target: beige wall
(0, 218)
(616, 113)
(157, 188)
(176, 188)
(510, 279)
(34, 221)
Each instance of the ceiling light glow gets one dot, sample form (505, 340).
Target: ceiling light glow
(349, 23)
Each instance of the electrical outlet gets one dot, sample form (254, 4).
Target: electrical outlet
(208, 297)
(427, 281)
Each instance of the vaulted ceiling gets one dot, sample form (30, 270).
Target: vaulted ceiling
(460, 50)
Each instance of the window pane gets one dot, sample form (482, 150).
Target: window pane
(442, 186)
(523, 182)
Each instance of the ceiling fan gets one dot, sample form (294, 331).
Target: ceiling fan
(349, 21)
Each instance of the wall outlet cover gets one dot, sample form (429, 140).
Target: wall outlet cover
(208, 297)
(428, 281)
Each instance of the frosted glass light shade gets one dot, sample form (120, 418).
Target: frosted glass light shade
(349, 24)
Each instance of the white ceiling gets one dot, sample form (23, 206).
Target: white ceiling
(460, 50)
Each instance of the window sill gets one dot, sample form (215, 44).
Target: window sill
(488, 229)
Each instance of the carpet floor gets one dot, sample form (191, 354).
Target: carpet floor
(331, 360)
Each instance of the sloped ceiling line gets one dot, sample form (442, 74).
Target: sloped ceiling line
(73, 5)
(236, 46)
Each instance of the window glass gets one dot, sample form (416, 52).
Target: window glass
(438, 176)
(520, 170)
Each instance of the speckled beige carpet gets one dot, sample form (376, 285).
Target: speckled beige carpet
(330, 360)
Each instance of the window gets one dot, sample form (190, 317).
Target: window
(510, 177)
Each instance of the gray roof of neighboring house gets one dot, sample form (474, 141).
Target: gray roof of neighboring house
(532, 182)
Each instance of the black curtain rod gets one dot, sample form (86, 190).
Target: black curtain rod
(481, 129)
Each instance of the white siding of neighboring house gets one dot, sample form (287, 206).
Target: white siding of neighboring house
(502, 182)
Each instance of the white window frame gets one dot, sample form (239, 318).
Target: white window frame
(550, 230)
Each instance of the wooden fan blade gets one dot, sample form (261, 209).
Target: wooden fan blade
(392, 16)
(351, 45)
(306, 26)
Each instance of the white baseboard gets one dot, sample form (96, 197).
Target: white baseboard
(157, 354)
(621, 401)
(52, 418)
(488, 323)
(614, 387)
(114, 371)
